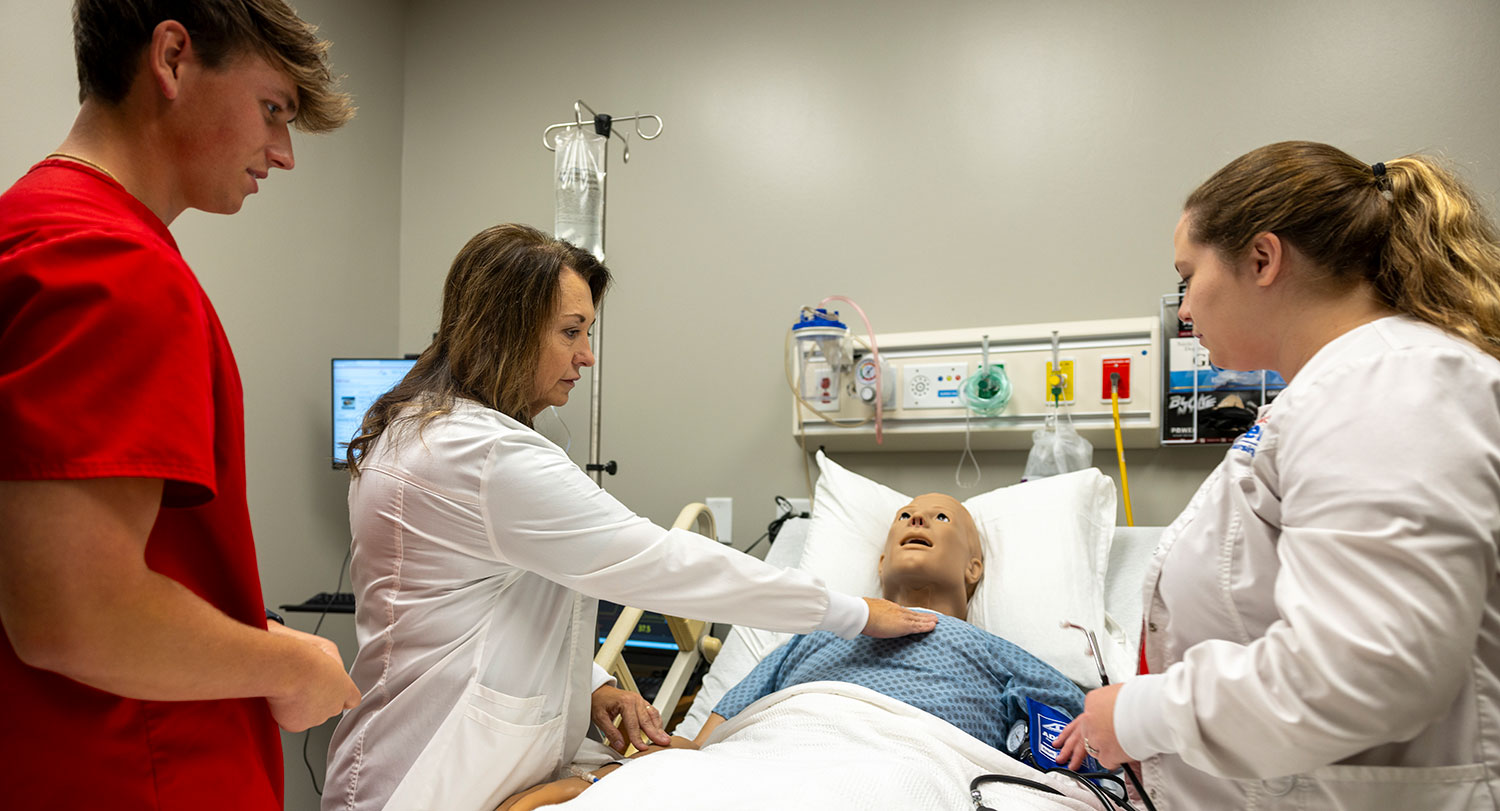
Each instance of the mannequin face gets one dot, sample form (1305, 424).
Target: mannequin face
(932, 542)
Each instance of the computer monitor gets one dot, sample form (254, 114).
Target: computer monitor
(651, 633)
(357, 384)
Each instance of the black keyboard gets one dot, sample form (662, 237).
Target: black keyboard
(339, 603)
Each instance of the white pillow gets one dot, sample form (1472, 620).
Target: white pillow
(1046, 549)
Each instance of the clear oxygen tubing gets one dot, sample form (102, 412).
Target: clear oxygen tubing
(967, 454)
(1114, 402)
(875, 351)
(985, 393)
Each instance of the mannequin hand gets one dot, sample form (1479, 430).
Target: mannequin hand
(558, 791)
(677, 743)
(640, 720)
(1096, 728)
(888, 620)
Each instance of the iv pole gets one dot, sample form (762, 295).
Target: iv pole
(603, 125)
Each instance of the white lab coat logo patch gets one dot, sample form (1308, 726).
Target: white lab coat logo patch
(1249, 441)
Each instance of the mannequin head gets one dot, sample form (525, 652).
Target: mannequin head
(932, 556)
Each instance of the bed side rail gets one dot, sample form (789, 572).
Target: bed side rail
(694, 643)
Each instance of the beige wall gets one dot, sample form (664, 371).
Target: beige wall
(947, 164)
(306, 271)
(944, 164)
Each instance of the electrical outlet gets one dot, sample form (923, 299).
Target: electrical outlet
(800, 506)
(723, 510)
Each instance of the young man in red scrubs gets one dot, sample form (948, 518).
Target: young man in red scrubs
(137, 670)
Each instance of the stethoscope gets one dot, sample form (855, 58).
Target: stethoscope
(1017, 745)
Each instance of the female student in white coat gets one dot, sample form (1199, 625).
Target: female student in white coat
(480, 550)
(1323, 621)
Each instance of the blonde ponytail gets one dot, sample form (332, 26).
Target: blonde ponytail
(1441, 261)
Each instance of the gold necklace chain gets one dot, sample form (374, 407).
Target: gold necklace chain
(84, 161)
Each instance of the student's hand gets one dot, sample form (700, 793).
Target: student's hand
(1093, 733)
(889, 620)
(640, 721)
(323, 644)
(323, 692)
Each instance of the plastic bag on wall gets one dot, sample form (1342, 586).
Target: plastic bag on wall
(579, 216)
(1056, 448)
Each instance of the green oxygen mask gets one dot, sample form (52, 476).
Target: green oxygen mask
(987, 392)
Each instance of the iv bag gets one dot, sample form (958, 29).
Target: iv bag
(579, 215)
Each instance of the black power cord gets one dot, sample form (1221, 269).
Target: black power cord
(774, 528)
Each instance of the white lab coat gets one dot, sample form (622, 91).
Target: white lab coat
(474, 547)
(1323, 620)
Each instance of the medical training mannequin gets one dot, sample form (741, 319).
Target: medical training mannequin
(932, 560)
(480, 548)
(1323, 620)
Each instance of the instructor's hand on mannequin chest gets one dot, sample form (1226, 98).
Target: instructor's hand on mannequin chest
(888, 620)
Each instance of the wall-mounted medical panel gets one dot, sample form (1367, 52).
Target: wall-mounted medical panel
(926, 411)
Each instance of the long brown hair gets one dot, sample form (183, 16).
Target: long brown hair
(1409, 227)
(497, 300)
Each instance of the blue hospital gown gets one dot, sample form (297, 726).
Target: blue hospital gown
(968, 677)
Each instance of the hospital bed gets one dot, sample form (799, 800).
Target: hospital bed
(694, 641)
(1114, 586)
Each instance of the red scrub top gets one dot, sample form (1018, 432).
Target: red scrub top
(113, 363)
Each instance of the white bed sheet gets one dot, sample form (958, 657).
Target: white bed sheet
(828, 745)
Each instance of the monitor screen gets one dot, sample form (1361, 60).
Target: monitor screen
(357, 384)
(651, 633)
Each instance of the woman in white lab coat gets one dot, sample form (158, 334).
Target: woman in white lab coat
(1323, 620)
(480, 550)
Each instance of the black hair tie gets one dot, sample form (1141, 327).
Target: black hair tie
(1378, 169)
